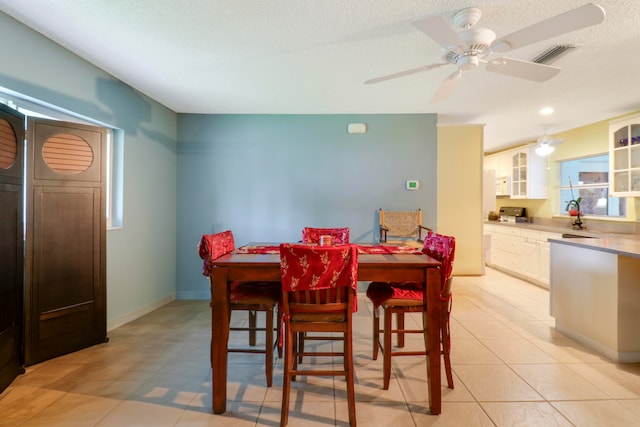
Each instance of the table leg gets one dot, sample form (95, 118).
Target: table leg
(432, 338)
(219, 338)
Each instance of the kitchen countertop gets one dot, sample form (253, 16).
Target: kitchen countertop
(616, 243)
(554, 229)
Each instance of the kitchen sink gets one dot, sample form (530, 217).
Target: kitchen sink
(574, 236)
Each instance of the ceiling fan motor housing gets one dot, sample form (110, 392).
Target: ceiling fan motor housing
(477, 41)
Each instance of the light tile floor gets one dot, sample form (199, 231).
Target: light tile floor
(510, 368)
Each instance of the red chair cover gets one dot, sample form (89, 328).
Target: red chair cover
(338, 235)
(437, 246)
(379, 292)
(442, 248)
(305, 267)
(212, 246)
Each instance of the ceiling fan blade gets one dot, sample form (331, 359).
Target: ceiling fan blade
(447, 86)
(523, 69)
(440, 31)
(576, 19)
(403, 73)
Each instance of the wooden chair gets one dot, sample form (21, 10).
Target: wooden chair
(404, 227)
(252, 297)
(401, 298)
(318, 295)
(339, 235)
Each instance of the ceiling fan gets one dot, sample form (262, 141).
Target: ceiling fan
(470, 46)
(546, 145)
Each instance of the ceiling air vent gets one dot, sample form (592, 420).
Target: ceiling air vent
(553, 53)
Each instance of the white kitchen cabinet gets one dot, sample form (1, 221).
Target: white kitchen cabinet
(545, 261)
(528, 174)
(490, 162)
(534, 260)
(530, 255)
(521, 252)
(624, 157)
(505, 247)
(500, 162)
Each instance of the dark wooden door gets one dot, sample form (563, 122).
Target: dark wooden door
(65, 308)
(11, 244)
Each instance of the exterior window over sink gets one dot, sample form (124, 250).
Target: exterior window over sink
(586, 180)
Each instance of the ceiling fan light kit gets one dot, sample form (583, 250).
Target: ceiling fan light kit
(467, 46)
(546, 145)
(544, 149)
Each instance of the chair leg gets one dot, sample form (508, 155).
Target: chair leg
(279, 337)
(386, 351)
(400, 324)
(269, 346)
(445, 333)
(286, 376)
(348, 369)
(300, 345)
(376, 332)
(252, 327)
(293, 337)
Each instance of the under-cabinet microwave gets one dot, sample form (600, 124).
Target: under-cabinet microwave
(503, 186)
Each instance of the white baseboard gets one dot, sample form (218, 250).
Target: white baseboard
(194, 295)
(616, 356)
(114, 323)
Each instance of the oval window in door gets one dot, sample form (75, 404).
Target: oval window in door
(67, 154)
(8, 145)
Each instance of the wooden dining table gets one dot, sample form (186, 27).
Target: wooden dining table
(383, 267)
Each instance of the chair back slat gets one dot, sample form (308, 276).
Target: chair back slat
(338, 235)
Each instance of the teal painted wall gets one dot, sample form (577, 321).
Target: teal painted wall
(267, 176)
(141, 257)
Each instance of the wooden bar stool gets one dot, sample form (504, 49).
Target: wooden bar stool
(252, 297)
(400, 298)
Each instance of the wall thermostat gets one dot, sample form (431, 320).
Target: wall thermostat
(412, 185)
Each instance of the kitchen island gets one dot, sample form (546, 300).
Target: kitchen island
(595, 293)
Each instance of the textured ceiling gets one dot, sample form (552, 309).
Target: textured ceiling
(312, 57)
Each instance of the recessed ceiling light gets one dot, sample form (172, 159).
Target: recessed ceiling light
(546, 111)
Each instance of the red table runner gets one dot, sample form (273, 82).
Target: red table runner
(387, 249)
(257, 249)
(362, 249)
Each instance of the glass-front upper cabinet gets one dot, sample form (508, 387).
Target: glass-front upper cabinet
(519, 174)
(528, 175)
(624, 157)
